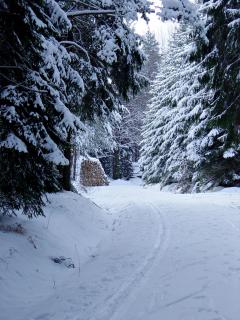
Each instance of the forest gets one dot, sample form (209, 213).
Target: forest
(95, 117)
(68, 74)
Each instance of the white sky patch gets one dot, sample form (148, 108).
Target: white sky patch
(162, 30)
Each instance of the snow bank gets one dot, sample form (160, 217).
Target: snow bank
(231, 190)
(73, 228)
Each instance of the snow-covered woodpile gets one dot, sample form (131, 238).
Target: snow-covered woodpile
(92, 173)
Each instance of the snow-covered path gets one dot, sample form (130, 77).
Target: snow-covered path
(166, 256)
(192, 268)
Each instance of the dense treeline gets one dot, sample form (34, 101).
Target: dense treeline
(61, 81)
(191, 134)
(67, 67)
(119, 163)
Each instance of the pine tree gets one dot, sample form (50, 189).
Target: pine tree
(39, 87)
(180, 10)
(138, 104)
(60, 82)
(123, 153)
(168, 152)
(219, 151)
(195, 141)
(128, 133)
(111, 63)
(160, 129)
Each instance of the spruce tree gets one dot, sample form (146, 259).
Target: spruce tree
(195, 141)
(170, 141)
(112, 60)
(219, 150)
(39, 88)
(162, 155)
(128, 133)
(61, 81)
(138, 104)
(111, 63)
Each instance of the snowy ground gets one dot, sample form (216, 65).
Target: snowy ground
(157, 255)
(29, 280)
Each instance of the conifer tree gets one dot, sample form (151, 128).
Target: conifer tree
(128, 133)
(60, 80)
(195, 141)
(138, 104)
(39, 88)
(161, 154)
(220, 147)
(111, 60)
(169, 147)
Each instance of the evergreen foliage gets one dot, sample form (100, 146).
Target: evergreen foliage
(219, 55)
(111, 63)
(179, 10)
(191, 135)
(39, 87)
(60, 81)
(138, 104)
(119, 164)
(165, 154)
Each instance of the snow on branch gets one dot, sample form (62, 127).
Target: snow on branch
(72, 43)
(89, 12)
(178, 9)
(77, 13)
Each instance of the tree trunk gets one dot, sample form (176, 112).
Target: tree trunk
(74, 171)
(66, 170)
(116, 165)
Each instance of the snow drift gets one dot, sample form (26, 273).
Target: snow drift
(68, 235)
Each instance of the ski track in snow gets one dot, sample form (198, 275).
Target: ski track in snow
(191, 273)
(125, 290)
(107, 281)
(168, 256)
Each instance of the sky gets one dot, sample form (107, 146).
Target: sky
(162, 30)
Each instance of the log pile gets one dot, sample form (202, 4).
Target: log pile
(92, 173)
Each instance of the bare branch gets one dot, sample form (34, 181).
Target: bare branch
(7, 13)
(9, 67)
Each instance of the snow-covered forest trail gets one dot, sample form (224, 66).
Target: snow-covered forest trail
(181, 261)
(168, 256)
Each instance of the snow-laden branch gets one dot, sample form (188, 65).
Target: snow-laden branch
(72, 43)
(20, 84)
(77, 13)
(89, 12)
(179, 9)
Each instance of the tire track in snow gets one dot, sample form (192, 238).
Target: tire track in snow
(117, 300)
